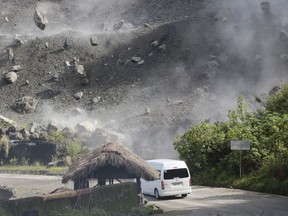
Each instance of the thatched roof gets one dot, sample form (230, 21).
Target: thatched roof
(111, 161)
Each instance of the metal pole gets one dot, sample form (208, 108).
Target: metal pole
(240, 162)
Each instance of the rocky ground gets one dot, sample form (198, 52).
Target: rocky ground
(158, 66)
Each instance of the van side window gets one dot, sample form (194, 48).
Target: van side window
(159, 172)
(176, 173)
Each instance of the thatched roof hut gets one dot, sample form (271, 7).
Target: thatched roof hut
(110, 161)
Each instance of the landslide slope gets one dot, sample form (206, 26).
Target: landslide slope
(199, 56)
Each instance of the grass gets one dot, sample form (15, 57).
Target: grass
(33, 169)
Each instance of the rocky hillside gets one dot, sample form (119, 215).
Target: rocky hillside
(145, 69)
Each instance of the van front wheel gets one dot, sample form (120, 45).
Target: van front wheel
(156, 193)
(184, 195)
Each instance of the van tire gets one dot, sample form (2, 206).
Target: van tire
(156, 193)
(184, 195)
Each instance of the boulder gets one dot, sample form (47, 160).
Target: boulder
(40, 20)
(118, 25)
(10, 53)
(68, 132)
(16, 68)
(18, 41)
(25, 105)
(35, 127)
(6, 122)
(147, 111)
(25, 133)
(52, 128)
(78, 95)
(155, 43)
(85, 81)
(34, 136)
(265, 7)
(77, 111)
(94, 41)
(16, 136)
(146, 25)
(6, 192)
(11, 77)
(136, 59)
(85, 126)
(11, 129)
(79, 69)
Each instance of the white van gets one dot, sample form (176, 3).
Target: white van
(174, 179)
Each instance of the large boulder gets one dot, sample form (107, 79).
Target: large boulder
(85, 126)
(40, 20)
(68, 132)
(52, 128)
(6, 192)
(6, 122)
(11, 77)
(25, 105)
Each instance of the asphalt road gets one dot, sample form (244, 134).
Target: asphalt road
(204, 201)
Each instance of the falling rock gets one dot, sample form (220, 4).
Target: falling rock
(6, 18)
(25, 105)
(78, 95)
(16, 68)
(147, 111)
(141, 62)
(6, 192)
(10, 53)
(79, 69)
(67, 64)
(162, 47)
(77, 112)
(36, 128)
(11, 77)
(65, 45)
(118, 25)
(136, 59)
(40, 20)
(283, 34)
(146, 25)
(155, 43)
(265, 7)
(95, 100)
(18, 41)
(46, 45)
(85, 126)
(93, 41)
(178, 102)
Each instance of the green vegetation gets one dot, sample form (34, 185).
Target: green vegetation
(65, 145)
(33, 169)
(206, 147)
(136, 211)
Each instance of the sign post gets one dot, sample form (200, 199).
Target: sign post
(240, 145)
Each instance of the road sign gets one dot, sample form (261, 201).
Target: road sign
(240, 145)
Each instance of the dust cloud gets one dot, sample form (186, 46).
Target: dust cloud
(250, 48)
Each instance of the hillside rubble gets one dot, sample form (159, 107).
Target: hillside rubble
(143, 69)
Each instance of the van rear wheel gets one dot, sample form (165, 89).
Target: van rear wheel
(156, 193)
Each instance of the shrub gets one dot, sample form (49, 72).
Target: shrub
(13, 161)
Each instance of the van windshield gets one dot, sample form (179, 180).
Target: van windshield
(176, 173)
